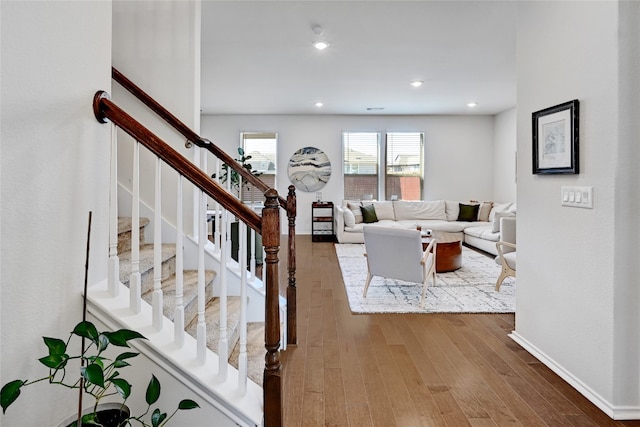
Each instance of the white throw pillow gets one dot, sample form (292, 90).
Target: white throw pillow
(384, 210)
(498, 207)
(349, 218)
(484, 211)
(452, 209)
(496, 219)
(355, 209)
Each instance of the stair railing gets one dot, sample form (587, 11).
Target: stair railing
(268, 225)
(288, 204)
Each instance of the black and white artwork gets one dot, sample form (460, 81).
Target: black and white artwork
(309, 169)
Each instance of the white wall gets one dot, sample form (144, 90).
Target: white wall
(157, 46)
(459, 158)
(504, 157)
(54, 170)
(577, 300)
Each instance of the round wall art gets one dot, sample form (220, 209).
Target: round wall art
(309, 169)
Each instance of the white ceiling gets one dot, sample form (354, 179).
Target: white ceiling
(257, 57)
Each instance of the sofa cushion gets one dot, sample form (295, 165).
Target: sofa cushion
(355, 209)
(384, 209)
(382, 223)
(349, 218)
(369, 214)
(496, 219)
(468, 212)
(419, 210)
(484, 232)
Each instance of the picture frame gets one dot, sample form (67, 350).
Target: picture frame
(555, 139)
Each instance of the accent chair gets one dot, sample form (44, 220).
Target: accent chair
(397, 253)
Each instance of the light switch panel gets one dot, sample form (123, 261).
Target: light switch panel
(577, 197)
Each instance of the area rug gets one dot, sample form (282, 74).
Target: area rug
(470, 289)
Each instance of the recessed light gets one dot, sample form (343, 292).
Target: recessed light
(472, 104)
(320, 45)
(416, 83)
(319, 104)
(375, 108)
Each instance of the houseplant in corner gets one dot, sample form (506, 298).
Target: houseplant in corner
(99, 374)
(99, 377)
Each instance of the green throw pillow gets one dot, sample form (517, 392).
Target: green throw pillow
(468, 212)
(368, 214)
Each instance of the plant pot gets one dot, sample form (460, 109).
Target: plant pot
(109, 415)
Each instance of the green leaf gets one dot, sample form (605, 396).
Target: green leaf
(94, 374)
(87, 330)
(188, 404)
(54, 361)
(153, 390)
(9, 393)
(157, 418)
(122, 386)
(55, 345)
(122, 336)
(102, 342)
(97, 360)
(241, 151)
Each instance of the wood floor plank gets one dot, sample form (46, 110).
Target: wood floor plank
(388, 370)
(376, 394)
(335, 408)
(359, 415)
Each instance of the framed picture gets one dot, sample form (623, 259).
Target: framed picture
(555, 139)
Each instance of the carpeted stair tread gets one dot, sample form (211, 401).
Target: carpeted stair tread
(212, 318)
(146, 263)
(124, 232)
(255, 352)
(189, 293)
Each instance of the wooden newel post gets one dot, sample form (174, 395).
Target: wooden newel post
(292, 337)
(272, 379)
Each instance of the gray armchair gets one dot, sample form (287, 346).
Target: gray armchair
(397, 254)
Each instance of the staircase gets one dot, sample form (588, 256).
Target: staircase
(255, 335)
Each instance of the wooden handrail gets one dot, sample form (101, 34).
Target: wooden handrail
(189, 134)
(104, 109)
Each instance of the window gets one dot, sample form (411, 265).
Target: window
(402, 165)
(360, 154)
(404, 156)
(261, 146)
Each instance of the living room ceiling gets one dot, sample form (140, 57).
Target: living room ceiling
(258, 58)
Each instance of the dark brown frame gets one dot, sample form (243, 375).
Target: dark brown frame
(566, 111)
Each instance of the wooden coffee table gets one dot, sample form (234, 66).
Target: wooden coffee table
(448, 255)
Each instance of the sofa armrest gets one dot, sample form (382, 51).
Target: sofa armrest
(338, 222)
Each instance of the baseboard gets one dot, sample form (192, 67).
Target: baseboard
(614, 412)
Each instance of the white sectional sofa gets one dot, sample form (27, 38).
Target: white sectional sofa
(476, 224)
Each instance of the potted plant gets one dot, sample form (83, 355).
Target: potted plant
(235, 176)
(99, 377)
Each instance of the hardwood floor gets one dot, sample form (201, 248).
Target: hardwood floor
(412, 370)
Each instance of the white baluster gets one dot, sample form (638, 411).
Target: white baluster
(217, 218)
(252, 263)
(113, 273)
(223, 351)
(202, 237)
(135, 282)
(242, 357)
(178, 317)
(157, 303)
